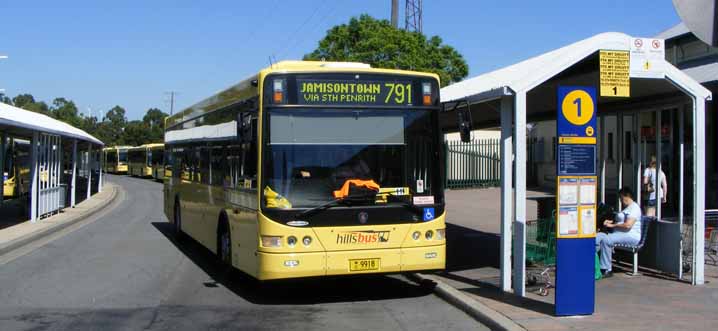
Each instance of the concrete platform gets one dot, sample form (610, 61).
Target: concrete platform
(651, 301)
(22, 233)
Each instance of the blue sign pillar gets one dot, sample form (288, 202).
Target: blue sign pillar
(575, 200)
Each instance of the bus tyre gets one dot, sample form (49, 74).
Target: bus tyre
(177, 222)
(224, 245)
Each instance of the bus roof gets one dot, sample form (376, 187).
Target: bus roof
(116, 148)
(146, 146)
(247, 88)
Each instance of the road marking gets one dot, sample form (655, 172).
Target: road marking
(31, 247)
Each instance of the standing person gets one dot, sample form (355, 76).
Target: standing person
(650, 180)
(626, 229)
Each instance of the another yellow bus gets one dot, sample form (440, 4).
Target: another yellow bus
(146, 160)
(115, 159)
(312, 169)
(17, 169)
(157, 159)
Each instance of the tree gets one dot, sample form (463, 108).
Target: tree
(377, 42)
(136, 133)
(154, 120)
(66, 111)
(27, 101)
(116, 122)
(5, 99)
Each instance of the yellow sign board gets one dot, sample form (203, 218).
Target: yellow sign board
(577, 140)
(614, 73)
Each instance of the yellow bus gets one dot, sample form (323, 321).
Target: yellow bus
(115, 159)
(157, 159)
(312, 169)
(146, 160)
(17, 169)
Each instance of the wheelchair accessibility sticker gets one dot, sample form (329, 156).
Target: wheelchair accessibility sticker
(428, 214)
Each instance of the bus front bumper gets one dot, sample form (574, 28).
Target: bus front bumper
(390, 260)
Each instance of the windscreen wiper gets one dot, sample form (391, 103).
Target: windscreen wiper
(343, 201)
(354, 199)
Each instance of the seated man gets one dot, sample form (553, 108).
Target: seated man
(626, 230)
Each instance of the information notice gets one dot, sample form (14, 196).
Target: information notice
(614, 73)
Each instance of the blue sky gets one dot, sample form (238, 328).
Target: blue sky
(130, 52)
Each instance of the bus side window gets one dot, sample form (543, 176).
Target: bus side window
(203, 154)
(218, 168)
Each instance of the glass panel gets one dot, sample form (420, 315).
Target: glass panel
(311, 153)
(337, 128)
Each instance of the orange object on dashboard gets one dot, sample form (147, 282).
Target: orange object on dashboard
(361, 184)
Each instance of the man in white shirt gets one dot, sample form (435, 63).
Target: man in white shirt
(626, 230)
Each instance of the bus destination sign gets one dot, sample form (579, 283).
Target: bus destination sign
(341, 92)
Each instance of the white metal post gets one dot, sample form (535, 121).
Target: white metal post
(619, 157)
(89, 171)
(602, 134)
(681, 172)
(100, 162)
(519, 244)
(659, 166)
(699, 171)
(637, 154)
(507, 194)
(33, 176)
(2, 168)
(74, 173)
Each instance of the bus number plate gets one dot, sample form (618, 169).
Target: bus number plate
(363, 264)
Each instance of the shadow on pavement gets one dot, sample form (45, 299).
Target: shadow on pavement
(293, 292)
(13, 212)
(467, 248)
(491, 291)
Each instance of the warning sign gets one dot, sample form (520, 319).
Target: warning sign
(614, 69)
(647, 58)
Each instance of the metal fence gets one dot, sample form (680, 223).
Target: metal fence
(473, 164)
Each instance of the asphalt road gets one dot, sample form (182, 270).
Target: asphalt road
(126, 272)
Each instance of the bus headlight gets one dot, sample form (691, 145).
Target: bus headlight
(440, 234)
(291, 241)
(271, 241)
(416, 235)
(307, 240)
(429, 235)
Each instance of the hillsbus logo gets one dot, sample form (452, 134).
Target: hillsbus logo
(362, 237)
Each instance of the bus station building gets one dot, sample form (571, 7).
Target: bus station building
(52, 164)
(521, 100)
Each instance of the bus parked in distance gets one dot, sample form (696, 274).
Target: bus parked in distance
(157, 159)
(312, 169)
(145, 160)
(16, 171)
(115, 159)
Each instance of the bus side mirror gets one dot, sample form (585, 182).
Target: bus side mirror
(464, 119)
(244, 127)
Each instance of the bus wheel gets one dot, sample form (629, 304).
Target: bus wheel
(177, 221)
(224, 245)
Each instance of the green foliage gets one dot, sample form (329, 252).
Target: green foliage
(113, 129)
(27, 101)
(5, 99)
(377, 42)
(66, 111)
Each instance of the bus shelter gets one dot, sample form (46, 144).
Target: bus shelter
(526, 92)
(47, 160)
